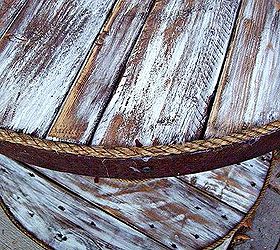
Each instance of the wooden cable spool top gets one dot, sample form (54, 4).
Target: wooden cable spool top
(83, 93)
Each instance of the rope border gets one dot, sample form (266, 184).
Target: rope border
(146, 151)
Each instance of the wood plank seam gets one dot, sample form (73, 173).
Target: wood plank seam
(13, 20)
(67, 190)
(66, 132)
(214, 96)
(98, 41)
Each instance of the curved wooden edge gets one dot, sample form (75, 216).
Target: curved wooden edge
(31, 236)
(250, 213)
(211, 247)
(141, 162)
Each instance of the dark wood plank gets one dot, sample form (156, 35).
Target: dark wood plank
(62, 220)
(8, 11)
(91, 92)
(248, 94)
(164, 93)
(40, 57)
(167, 209)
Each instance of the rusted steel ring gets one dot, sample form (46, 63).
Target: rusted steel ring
(141, 162)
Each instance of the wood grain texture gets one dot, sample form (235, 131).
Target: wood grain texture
(40, 56)
(169, 210)
(236, 185)
(11, 238)
(249, 91)
(90, 93)
(164, 93)
(8, 11)
(61, 220)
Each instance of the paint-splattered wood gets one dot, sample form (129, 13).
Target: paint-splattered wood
(249, 91)
(237, 185)
(167, 210)
(164, 93)
(62, 220)
(90, 94)
(40, 56)
(8, 11)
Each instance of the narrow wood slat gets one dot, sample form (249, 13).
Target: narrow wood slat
(91, 92)
(249, 91)
(8, 11)
(61, 220)
(237, 185)
(169, 79)
(166, 209)
(40, 56)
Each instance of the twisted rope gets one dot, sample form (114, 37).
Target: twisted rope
(147, 151)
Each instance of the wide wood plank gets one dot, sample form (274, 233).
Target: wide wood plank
(61, 220)
(169, 79)
(93, 88)
(40, 56)
(8, 11)
(169, 210)
(237, 185)
(249, 91)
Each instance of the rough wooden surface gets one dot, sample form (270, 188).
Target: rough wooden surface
(13, 239)
(248, 93)
(92, 90)
(168, 209)
(236, 185)
(63, 220)
(164, 93)
(40, 56)
(8, 11)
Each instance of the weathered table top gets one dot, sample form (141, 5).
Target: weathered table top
(129, 73)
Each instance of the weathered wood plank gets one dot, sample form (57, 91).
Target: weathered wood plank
(8, 11)
(61, 220)
(169, 210)
(91, 92)
(248, 93)
(40, 56)
(237, 185)
(165, 91)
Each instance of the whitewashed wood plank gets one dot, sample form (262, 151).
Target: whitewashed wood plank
(40, 56)
(93, 88)
(169, 79)
(8, 11)
(167, 209)
(248, 94)
(61, 220)
(237, 185)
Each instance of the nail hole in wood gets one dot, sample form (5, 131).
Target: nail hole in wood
(146, 170)
(253, 184)
(138, 143)
(173, 245)
(92, 224)
(31, 174)
(31, 214)
(60, 237)
(197, 207)
(96, 180)
(4, 170)
(61, 208)
(224, 217)
(196, 236)
(152, 226)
